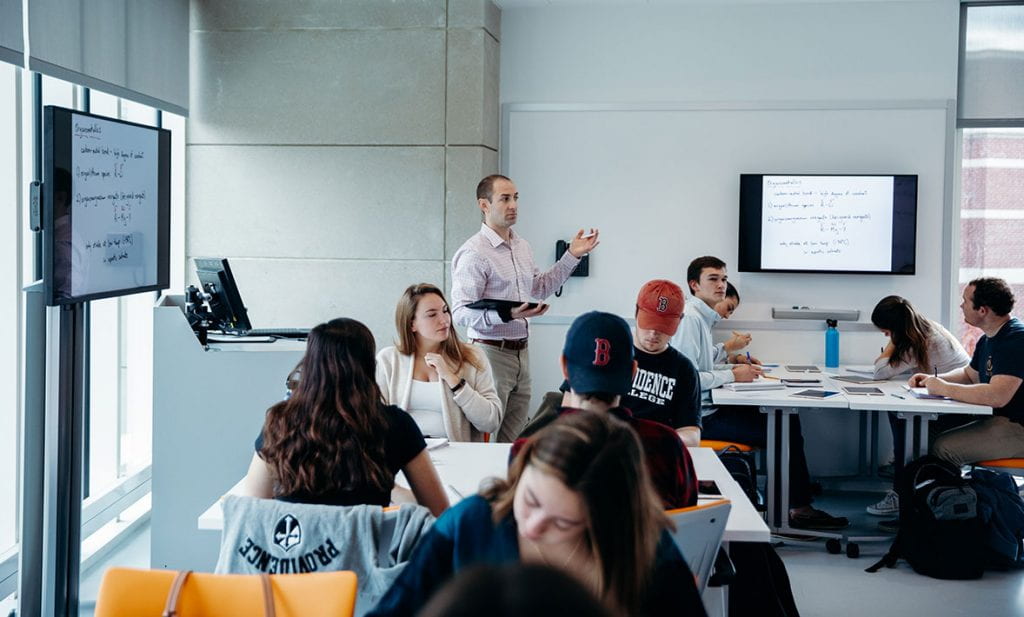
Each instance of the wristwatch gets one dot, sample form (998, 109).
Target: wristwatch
(459, 385)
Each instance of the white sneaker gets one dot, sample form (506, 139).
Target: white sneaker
(889, 506)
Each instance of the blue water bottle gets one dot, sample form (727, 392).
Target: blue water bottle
(831, 344)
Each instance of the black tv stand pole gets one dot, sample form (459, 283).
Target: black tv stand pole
(64, 437)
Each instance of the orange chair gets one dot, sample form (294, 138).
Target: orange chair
(1012, 466)
(127, 592)
(718, 446)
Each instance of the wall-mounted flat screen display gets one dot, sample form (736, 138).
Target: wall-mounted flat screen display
(106, 207)
(851, 224)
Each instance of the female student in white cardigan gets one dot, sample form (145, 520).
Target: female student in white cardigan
(444, 384)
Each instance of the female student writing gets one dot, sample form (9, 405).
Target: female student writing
(916, 345)
(333, 441)
(578, 498)
(444, 384)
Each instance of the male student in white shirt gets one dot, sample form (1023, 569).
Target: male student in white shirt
(707, 278)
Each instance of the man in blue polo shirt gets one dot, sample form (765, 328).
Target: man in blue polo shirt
(993, 378)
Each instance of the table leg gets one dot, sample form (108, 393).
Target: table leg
(864, 430)
(716, 599)
(922, 437)
(908, 437)
(874, 419)
(916, 434)
(771, 471)
(784, 470)
(778, 466)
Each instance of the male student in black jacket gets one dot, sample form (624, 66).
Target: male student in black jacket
(666, 386)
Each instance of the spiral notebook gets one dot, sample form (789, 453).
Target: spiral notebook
(754, 386)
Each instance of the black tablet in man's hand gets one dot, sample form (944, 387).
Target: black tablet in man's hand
(497, 305)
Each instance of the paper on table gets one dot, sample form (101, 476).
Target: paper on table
(752, 386)
(434, 443)
(867, 369)
(856, 378)
(923, 393)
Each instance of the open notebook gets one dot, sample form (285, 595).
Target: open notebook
(750, 386)
(923, 393)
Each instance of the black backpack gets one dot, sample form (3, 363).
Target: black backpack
(1001, 510)
(760, 585)
(741, 466)
(941, 533)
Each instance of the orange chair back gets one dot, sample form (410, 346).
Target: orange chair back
(127, 592)
(718, 446)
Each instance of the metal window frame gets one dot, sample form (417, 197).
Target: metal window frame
(100, 510)
(977, 123)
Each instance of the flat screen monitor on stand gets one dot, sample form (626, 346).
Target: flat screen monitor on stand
(218, 306)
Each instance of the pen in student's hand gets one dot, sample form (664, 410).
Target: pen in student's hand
(935, 370)
(749, 361)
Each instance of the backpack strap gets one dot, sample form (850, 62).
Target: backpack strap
(171, 606)
(889, 559)
(268, 596)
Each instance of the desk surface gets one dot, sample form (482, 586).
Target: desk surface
(463, 466)
(908, 404)
(858, 402)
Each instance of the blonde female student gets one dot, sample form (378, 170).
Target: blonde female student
(444, 384)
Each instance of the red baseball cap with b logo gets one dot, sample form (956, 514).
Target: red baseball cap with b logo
(659, 306)
(599, 354)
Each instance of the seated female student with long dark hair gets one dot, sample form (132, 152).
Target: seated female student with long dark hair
(916, 345)
(578, 498)
(334, 441)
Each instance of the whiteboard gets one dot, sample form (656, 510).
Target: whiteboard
(662, 185)
(108, 206)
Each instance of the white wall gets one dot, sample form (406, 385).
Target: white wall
(722, 51)
(720, 58)
(334, 148)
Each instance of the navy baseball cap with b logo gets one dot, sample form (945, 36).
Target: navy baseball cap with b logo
(599, 354)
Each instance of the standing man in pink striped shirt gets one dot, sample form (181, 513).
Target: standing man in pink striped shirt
(497, 264)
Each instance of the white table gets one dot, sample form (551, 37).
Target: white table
(908, 408)
(781, 405)
(463, 466)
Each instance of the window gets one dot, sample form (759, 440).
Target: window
(10, 297)
(991, 114)
(119, 417)
(992, 213)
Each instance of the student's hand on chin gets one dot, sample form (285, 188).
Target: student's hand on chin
(438, 363)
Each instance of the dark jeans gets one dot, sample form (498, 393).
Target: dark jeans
(747, 425)
(938, 426)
